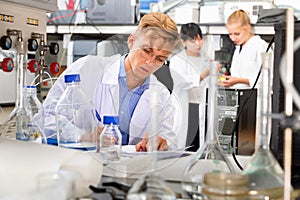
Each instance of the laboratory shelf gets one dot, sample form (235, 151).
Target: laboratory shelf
(213, 29)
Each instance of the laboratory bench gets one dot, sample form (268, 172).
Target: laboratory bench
(22, 162)
(169, 170)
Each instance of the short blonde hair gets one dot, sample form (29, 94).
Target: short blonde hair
(157, 19)
(161, 26)
(239, 16)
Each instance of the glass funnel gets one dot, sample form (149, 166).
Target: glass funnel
(151, 186)
(265, 173)
(210, 157)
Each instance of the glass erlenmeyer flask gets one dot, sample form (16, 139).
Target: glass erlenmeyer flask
(8, 128)
(210, 157)
(151, 186)
(265, 173)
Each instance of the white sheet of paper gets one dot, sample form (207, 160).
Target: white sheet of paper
(129, 151)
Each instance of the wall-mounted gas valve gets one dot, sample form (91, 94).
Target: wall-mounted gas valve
(5, 42)
(7, 65)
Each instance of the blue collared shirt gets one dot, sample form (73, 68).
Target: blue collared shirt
(128, 101)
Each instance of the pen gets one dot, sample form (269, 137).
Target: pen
(98, 116)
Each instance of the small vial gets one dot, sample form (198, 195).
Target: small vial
(111, 139)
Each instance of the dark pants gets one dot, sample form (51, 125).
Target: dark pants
(193, 127)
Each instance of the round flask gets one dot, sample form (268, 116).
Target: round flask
(223, 186)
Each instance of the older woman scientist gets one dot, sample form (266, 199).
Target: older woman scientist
(119, 85)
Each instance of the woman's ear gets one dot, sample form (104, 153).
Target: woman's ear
(249, 28)
(130, 41)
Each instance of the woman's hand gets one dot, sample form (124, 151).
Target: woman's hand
(231, 80)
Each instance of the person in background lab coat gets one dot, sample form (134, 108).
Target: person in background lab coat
(119, 85)
(188, 69)
(247, 59)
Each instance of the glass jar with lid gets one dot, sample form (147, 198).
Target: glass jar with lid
(225, 186)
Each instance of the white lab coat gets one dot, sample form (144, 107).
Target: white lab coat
(246, 64)
(99, 80)
(185, 72)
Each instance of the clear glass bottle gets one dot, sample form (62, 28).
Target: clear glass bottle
(111, 139)
(210, 157)
(35, 111)
(265, 173)
(30, 117)
(75, 117)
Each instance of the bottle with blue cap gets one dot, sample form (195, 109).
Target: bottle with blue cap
(35, 110)
(111, 139)
(30, 117)
(75, 117)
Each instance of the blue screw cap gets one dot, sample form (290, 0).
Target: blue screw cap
(111, 120)
(30, 86)
(72, 78)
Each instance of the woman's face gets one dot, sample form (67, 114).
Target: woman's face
(193, 46)
(146, 56)
(238, 34)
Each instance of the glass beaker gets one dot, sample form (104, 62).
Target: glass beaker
(264, 172)
(210, 157)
